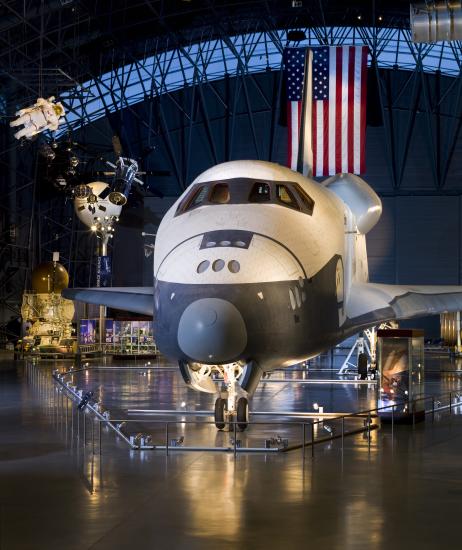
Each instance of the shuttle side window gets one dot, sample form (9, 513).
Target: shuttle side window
(286, 197)
(260, 192)
(306, 201)
(220, 194)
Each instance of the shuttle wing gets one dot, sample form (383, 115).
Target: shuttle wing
(137, 299)
(371, 303)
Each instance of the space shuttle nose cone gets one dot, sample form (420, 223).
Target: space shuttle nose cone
(212, 330)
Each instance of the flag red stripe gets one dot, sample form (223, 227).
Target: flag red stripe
(363, 109)
(325, 168)
(289, 133)
(313, 134)
(351, 112)
(338, 113)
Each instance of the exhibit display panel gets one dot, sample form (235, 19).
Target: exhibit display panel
(131, 337)
(400, 363)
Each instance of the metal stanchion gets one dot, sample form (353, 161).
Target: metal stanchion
(84, 430)
(450, 402)
(433, 409)
(312, 439)
(369, 431)
(343, 432)
(235, 451)
(413, 414)
(166, 438)
(392, 422)
(100, 438)
(93, 436)
(303, 440)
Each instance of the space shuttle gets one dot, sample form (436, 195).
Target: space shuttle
(257, 267)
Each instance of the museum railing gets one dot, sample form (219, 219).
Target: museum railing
(265, 437)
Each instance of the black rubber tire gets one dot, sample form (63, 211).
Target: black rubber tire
(242, 411)
(362, 366)
(220, 410)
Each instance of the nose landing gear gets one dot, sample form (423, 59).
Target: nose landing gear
(240, 414)
(221, 409)
(233, 407)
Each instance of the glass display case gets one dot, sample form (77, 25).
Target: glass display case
(400, 363)
(134, 337)
(128, 337)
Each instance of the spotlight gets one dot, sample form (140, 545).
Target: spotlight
(82, 191)
(60, 181)
(47, 152)
(315, 406)
(296, 36)
(93, 227)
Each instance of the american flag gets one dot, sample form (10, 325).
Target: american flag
(327, 124)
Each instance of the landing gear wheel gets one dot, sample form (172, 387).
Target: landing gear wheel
(242, 410)
(220, 413)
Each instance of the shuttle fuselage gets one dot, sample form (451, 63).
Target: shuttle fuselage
(250, 265)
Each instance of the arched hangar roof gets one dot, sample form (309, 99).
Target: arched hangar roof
(166, 71)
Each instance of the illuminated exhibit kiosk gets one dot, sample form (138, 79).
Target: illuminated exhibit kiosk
(121, 337)
(400, 362)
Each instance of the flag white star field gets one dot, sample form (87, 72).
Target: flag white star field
(329, 128)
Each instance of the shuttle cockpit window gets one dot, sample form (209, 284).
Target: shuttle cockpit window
(195, 198)
(219, 194)
(286, 197)
(306, 201)
(260, 192)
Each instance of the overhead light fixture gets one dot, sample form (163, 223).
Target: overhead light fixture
(296, 36)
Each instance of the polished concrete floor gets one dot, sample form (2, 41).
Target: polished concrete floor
(400, 490)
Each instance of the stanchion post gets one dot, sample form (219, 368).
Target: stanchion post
(369, 431)
(392, 422)
(166, 438)
(303, 440)
(450, 402)
(413, 414)
(343, 432)
(234, 428)
(100, 438)
(433, 409)
(312, 439)
(84, 430)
